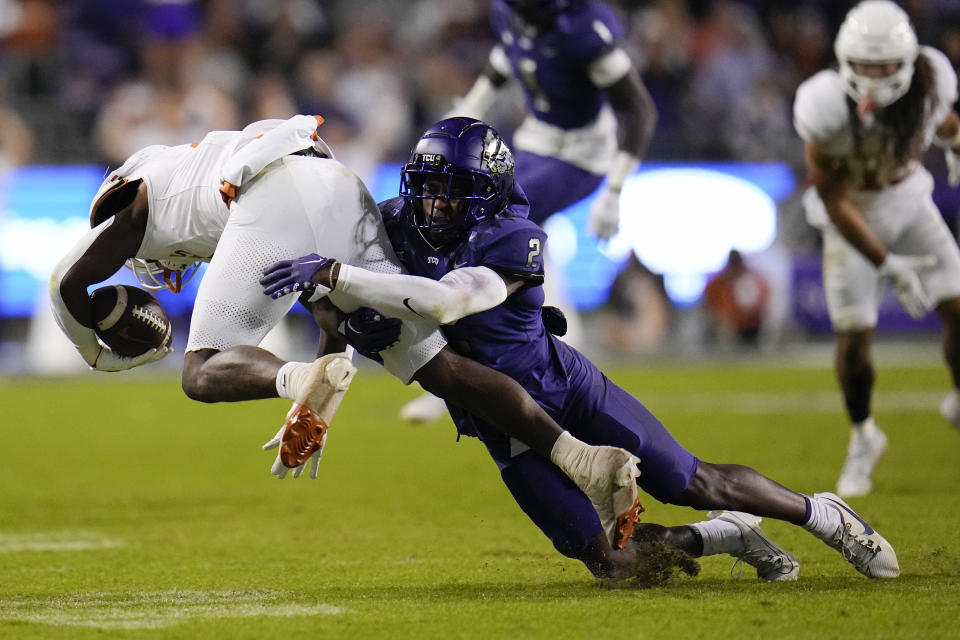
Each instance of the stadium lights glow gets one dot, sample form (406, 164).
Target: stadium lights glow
(682, 223)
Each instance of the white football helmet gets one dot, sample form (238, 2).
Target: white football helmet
(876, 31)
(163, 274)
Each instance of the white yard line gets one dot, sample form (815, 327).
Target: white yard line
(46, 541)
(151, 610)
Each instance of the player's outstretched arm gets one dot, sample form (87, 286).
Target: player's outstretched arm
(460, 293)
(636, 119)
(483, 94)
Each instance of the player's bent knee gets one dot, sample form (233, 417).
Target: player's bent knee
(192, 377)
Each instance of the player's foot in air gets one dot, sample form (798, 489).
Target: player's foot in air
(772, 562)
(327, 377)
(950, 408)
(867, 444)
(858, 543)
(424, 408)
(320, 390)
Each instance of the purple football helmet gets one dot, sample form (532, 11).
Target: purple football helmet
(463, 162)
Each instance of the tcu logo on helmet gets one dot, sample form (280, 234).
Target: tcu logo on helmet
(496, 155)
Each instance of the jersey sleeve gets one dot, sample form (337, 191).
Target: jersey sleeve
(821, 115)
(514, 248)
(945, 86)
(591, 32)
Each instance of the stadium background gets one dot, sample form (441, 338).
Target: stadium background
(130, 511)
(84, 84)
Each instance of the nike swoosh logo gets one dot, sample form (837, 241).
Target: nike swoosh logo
(867, 529)
(406, 303)
(457, 266)
(311, 262)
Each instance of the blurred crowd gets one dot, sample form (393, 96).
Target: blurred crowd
(94, 80)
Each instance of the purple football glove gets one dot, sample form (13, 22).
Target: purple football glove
(370, 332)
(288, 276)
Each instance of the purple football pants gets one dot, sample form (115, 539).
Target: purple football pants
(598, 412)
(552, 185)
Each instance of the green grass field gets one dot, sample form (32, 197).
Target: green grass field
(128, 510)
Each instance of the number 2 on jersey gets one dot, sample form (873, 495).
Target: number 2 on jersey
(534, 245)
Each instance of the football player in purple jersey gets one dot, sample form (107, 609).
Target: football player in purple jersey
(590, 117)
(460, 226)
(581, 91)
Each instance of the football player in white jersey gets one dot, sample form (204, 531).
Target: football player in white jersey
(866, 127)
(256, 196)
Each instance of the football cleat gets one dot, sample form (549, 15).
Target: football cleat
(424, 408)
(950, 408)
(327, 381)
(858, 543)
(772, 562)
(608, 477)
(867, 444)
(303, 435)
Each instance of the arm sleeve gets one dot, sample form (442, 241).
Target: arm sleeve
(295, 134)
(516, 250)
(83, 338)
(609, 68)
(460, 293)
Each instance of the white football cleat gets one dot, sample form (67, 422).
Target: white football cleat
(772, 562)
(867, 444)
(325, 384)
(950, 408)
(858, 543)
(424, 408)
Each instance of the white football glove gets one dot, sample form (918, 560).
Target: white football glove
(953, 167)
(279, 469)
(109, 360)
(902, 272)
(605, 215)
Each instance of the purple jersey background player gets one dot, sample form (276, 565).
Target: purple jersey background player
(581, 90)
(512, 339)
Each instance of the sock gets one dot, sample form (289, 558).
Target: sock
(866, 426)
(823, 520)
(719, 536)
(290, 378)
(566, 452)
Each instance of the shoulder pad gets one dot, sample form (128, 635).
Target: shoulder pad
(945, 84)
(392, 208)
(591, 30)
(820, 111)
(512, 245)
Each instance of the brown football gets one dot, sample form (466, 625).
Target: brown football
(129, 320)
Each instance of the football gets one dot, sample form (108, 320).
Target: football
(129, 320)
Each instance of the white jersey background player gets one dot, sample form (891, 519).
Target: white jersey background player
(243, 200)
(865, 129)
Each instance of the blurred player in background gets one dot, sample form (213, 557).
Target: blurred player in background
(866, 128)
(582, 93)
(461, 226)
(280, 192)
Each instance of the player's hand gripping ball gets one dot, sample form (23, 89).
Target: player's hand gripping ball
(129, 320)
